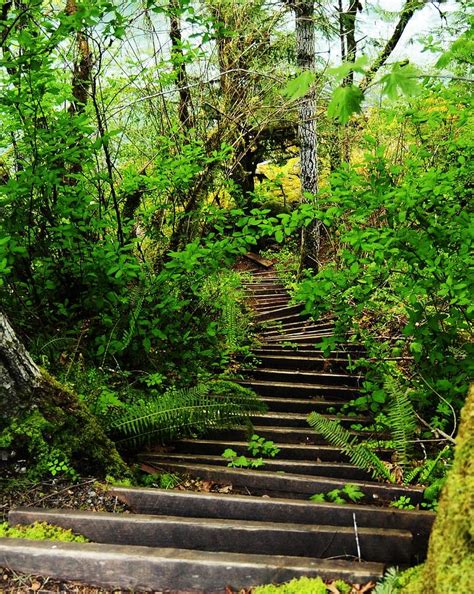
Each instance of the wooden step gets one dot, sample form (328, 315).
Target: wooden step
(298, 486)
(281, 313)
(301, 362)
(343, 351)
(302, 338)
(227, 535)
(301, 405)
(288, 451)
(294, 327)
(306, 467)
(290, 390)
(294, 419)
(170, 569)
(304, 377)
(184, 503)
(282, 434)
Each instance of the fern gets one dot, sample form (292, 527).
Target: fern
(359, 455)
(401, 419)
(183, 412)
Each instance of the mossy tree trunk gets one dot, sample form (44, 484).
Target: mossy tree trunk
(25, 388)
(450, 560)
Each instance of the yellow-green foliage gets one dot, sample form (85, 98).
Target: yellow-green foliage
(303, 585)
(40, 531)
(288, 176)
(450, 561)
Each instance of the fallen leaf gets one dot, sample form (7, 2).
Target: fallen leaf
(206, 486)
(35, 586)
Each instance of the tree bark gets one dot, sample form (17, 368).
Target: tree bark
(448, 568)
(25, 388)
(179, 65)
(307, 133)
(82, 69)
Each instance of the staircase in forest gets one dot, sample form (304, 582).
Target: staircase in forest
(270, 531)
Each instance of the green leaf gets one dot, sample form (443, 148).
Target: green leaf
(345, 101)
(346, 68)
(299, 86)
(402, 79)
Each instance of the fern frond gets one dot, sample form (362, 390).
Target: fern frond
(332, 431)
(176, 413)
(401, 419)
(358, 454)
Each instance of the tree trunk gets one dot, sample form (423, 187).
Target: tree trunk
(448, 568)
(71, 428)
(179, 66)
(307, 134)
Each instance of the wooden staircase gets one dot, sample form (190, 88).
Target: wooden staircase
(270, 532)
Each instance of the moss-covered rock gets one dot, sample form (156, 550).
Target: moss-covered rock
(450, 561)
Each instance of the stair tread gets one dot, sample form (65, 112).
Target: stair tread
(28, 515)
(298, 479)
(151, 568)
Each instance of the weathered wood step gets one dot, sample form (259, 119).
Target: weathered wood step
(300, 338)
(305, 467)
(343, 351)
(300, 405)
(257, 290)
(298, 486)
(288, 451)
(300, 362)
(168, 502)
(290, 390)
(293, 327)
(257, 259)
(152, 569)
(264, 306)
(304, 377)
(288, 434)
(281, 313)
(226, 535)
(294, 419)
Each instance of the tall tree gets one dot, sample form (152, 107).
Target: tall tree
(307, 133)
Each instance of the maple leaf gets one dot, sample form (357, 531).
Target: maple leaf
(299, 86)
(345, 101)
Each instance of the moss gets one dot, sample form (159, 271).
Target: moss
(303, 585)
(40, 531)
(89, 449)
(59, 429)
(450, 559)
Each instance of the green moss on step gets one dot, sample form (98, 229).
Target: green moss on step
(302, 585)
(40, 531)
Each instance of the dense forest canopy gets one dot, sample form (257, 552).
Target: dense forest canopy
(145, 146)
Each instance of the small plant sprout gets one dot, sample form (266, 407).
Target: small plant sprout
(260, 446)
(348, 494)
